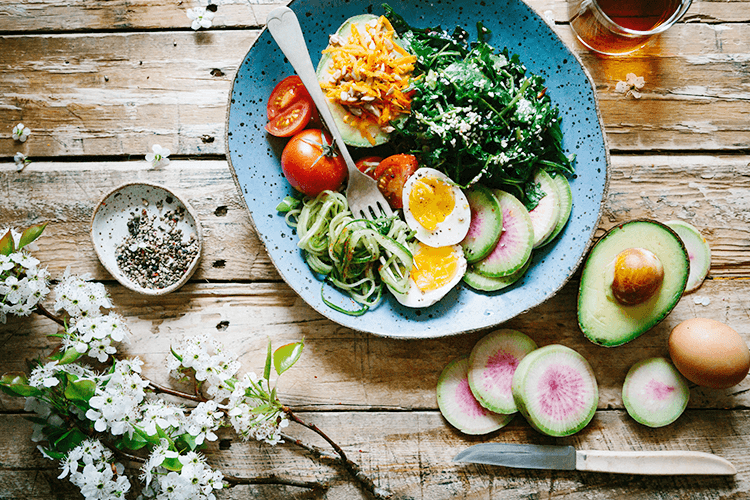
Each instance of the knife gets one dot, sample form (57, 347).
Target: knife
(532, 456)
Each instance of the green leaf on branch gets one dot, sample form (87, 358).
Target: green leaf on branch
(6, 244)
(286, 355)
(172, 464)
(69, 356)
(269, 355)
(188, 440)
(133, 443)
(16, 384)
(80, 390)
(31, 234)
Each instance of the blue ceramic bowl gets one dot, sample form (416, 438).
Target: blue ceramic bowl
(255, 158)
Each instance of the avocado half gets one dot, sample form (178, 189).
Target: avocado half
(351, 135)
(601, 317)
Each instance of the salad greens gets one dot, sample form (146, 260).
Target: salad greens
(478, 115)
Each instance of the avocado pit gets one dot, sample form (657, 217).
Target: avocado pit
(638, 274)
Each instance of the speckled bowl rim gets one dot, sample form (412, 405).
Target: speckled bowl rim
(459, 331)
(115, 273)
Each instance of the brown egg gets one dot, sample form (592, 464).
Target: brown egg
(709, 353)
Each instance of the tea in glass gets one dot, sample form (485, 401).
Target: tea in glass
(617, 27)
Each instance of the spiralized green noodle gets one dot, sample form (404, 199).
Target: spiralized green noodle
(357, 256)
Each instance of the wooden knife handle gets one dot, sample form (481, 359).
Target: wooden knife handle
(658, 463)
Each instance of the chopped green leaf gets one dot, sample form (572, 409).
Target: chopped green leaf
(287, 204)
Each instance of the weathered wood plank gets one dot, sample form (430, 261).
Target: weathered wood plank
(707, 191)
(409, 454)
(117, 94)
(54, 15)
(342, 368)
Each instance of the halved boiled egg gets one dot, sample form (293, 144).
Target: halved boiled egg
(435, 208)
(434, 273)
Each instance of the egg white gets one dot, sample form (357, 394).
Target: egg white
(414, 297)
(456, 224)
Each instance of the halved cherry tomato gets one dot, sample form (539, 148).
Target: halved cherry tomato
(310, 163)
(368, 164)
(289, 108)
(391, 175)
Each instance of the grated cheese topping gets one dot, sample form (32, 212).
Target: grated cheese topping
(369, 76)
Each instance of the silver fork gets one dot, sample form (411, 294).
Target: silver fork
(362, 193)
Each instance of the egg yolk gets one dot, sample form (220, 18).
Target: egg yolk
(433, 267)
(431, 200)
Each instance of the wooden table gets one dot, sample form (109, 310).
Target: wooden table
(99, 82)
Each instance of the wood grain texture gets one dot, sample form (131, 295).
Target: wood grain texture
(55, 15)
(410, 456)
(344, 369)
(709, 192)
(119, 93)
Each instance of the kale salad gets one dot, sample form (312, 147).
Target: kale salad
(478, 114)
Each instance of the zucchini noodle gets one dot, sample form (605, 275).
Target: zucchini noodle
(357, 256)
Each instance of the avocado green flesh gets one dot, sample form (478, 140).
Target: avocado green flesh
(351, 135)
(601, 318)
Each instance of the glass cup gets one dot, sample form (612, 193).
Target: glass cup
(617, 27)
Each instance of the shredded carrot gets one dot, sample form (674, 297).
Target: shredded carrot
(370, 76)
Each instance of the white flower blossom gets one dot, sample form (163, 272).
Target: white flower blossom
(44, 375)
(79, 297)
(203, 421)
(115, 406)
(159, 157)
(157, 457)
(210, 361)
(98, 479)
(20, 132)
(201, 17)
(195, 481)
(264, 426)
(21, 161)
(22, 284)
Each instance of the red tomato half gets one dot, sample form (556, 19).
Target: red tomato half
(289, 108)
(368, 164)
(391, 175)
(310, 163)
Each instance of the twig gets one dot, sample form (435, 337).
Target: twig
(234, 481)
(166, 390)
(42, 311)
(352, 467)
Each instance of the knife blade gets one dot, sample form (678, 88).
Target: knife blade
(533, 456)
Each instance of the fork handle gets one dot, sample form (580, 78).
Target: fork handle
(285, 29)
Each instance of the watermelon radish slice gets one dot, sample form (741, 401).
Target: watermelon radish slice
(566, 205)
(545, 215)
(654, 392)
(486, 224)
(459, 406)
(513, 248)
(486, 284)
(492, 363)
(555, 388)
(698, 251)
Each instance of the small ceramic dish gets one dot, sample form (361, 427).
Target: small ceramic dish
(147, 237)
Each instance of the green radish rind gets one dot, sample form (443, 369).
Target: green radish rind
(655, 394)
(566, 206)
(573, 377)
(459, 406)
(492, 363)
(601, 318)
(699, 252)
(514, 247)
(486, 284)
(545, 215)
(350, 134)
(486, 223)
